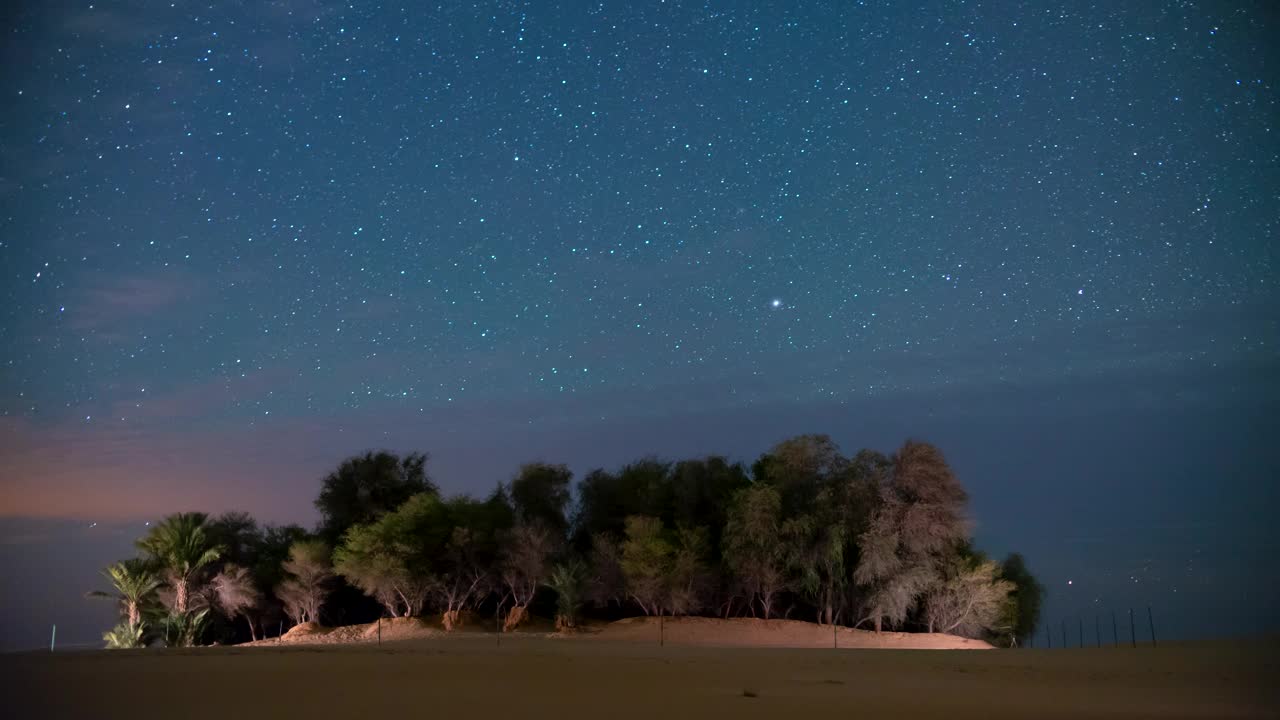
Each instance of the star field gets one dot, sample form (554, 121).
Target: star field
(354, 224)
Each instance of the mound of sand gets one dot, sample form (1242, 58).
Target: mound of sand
(297, 632)
(391, 629)
(690, 631)
(753, 632)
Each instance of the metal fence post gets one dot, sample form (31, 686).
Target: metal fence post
(1152, 622)
(1133, 639)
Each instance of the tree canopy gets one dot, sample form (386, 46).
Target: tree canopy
(364, 487)
(869, 540)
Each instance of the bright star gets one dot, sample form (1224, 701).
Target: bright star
(776, 303)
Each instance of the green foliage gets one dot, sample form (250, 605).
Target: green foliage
(134, 586)
(702, 491)
(687, 573)
(273, 549)
(365, 487)
(919, 523)
(540, 494)
(798, 468)
(969, 598)
(391, 558)
(606, 500)
(752, 550)
(809, 531)
(237, 534)
(184, 629)
(181, 546)
(125, 636)
(1022, 612)
(305, 586)
(815, 557)
(608, 583)
(646, 556)
(568, 580)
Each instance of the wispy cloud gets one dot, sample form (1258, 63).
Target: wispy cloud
(107, 303)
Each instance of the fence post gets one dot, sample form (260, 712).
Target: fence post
(379, 631)
(1081, 638)
(1048, 635)
(1115, 634)
(1133, 639)
(662, 630)
(1152, 622)
(1097, 630)
(280, 632)
(54, 637)
(835, 639)
(1064, 633)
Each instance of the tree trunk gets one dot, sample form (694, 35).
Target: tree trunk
(517, 615)
(877, 624)
(450, 620)
(180, 597)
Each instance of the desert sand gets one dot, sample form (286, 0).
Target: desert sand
(697, 631)
(620, 671)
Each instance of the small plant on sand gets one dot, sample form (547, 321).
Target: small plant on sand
(125, 636)
(184, 629)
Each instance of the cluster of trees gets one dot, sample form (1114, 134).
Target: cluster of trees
(871, 540)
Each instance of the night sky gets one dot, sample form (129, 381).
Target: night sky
(242, 240)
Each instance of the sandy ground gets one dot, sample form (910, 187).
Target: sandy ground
(529, 676)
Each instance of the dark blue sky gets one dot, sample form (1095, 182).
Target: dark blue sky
(243, 240)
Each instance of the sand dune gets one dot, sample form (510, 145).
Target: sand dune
(750, 632)
(605, 676)
(698, 631)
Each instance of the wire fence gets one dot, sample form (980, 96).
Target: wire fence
(1072, 630)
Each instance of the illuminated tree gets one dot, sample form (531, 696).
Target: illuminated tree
(134, 587)
(180, 546)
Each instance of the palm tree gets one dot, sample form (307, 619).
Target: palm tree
(180, 545)
(134, 584)
(569, 581)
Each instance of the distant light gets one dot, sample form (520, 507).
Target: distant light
(776, 303)
(1068, 582)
